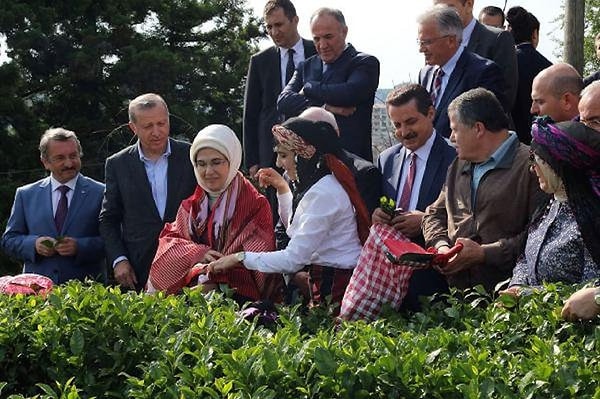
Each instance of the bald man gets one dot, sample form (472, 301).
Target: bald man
(367, 176)
(589, 106)
(555, 92)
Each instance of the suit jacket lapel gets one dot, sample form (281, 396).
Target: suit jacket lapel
(173, 180)
(453, 80)
(140, 182)
(274, 69)
(45, 194)
(431, 168)
(397, 170)
(475, 36)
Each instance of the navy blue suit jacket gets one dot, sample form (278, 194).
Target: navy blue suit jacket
(471, 71)
(263, 85)
(32, 217)
(422, 282)
(350, 81)
(390, 164)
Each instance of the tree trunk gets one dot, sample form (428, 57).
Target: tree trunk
(574, 12)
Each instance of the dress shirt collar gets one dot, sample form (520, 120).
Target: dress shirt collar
(449, 66)
(143, 157)
(467, 32)
(55, 184)
(423, 151)
(298, 51)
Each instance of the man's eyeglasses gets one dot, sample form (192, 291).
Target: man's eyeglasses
(213, 163)
(593, 123)
(429, 42)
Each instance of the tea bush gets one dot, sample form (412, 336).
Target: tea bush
(92, 341)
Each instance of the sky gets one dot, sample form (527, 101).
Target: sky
(387, 29)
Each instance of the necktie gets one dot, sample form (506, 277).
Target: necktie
(437, 85)
(404, 202)
(62, 208)
(290, 67)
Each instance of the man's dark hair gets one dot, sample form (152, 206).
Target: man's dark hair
(479, 105)
(405, 93)
(492, 11)
(522, 24)
(286, 5)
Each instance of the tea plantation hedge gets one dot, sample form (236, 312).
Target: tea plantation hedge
(91, 341)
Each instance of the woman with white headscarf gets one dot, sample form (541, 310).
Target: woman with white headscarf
(225, 215)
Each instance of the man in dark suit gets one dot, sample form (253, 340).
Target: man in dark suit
(339, 78)
(145, 183)
(492, 43)
(366, 174)
(53, 225)
(596, 75)
(411, 111)
(267, 77)
(451, 69)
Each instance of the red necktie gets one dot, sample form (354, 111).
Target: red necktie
(437, 85)
(408, 184)
(62, 208)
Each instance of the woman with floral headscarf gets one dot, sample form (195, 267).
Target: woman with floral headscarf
(225, 215)
(564, 240)
(328, 220)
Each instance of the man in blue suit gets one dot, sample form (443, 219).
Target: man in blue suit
(338, 78)
(411, 111)
(53, 225)
(451, 69)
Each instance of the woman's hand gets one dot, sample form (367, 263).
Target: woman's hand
(223, 264)
(269, 177)
(210, 256)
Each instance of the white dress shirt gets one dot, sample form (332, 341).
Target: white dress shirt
(55, 184)
(323, 232)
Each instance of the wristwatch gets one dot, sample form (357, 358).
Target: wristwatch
(597, 296)
(240, 256)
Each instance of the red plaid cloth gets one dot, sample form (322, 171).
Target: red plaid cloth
(375, 280)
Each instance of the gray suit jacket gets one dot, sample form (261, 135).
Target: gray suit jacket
(129, 221)
(499, 46)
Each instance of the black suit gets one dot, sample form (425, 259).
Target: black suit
(531, 62)
(129, 221)
(263, 85)
(592, 78)
(499, 46)
(471, 71)
(350, 81)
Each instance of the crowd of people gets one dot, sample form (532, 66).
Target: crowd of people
(498, 155)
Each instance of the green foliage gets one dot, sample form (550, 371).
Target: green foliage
(76, 64)
(592, 28)
(92, 341)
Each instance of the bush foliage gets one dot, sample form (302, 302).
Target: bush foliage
(93, 341)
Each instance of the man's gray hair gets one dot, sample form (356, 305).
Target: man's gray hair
(145, 101)
(334, 12)
(447, 20)
(57, 134)
(479, 105)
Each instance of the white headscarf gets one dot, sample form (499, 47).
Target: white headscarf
(220, 138)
